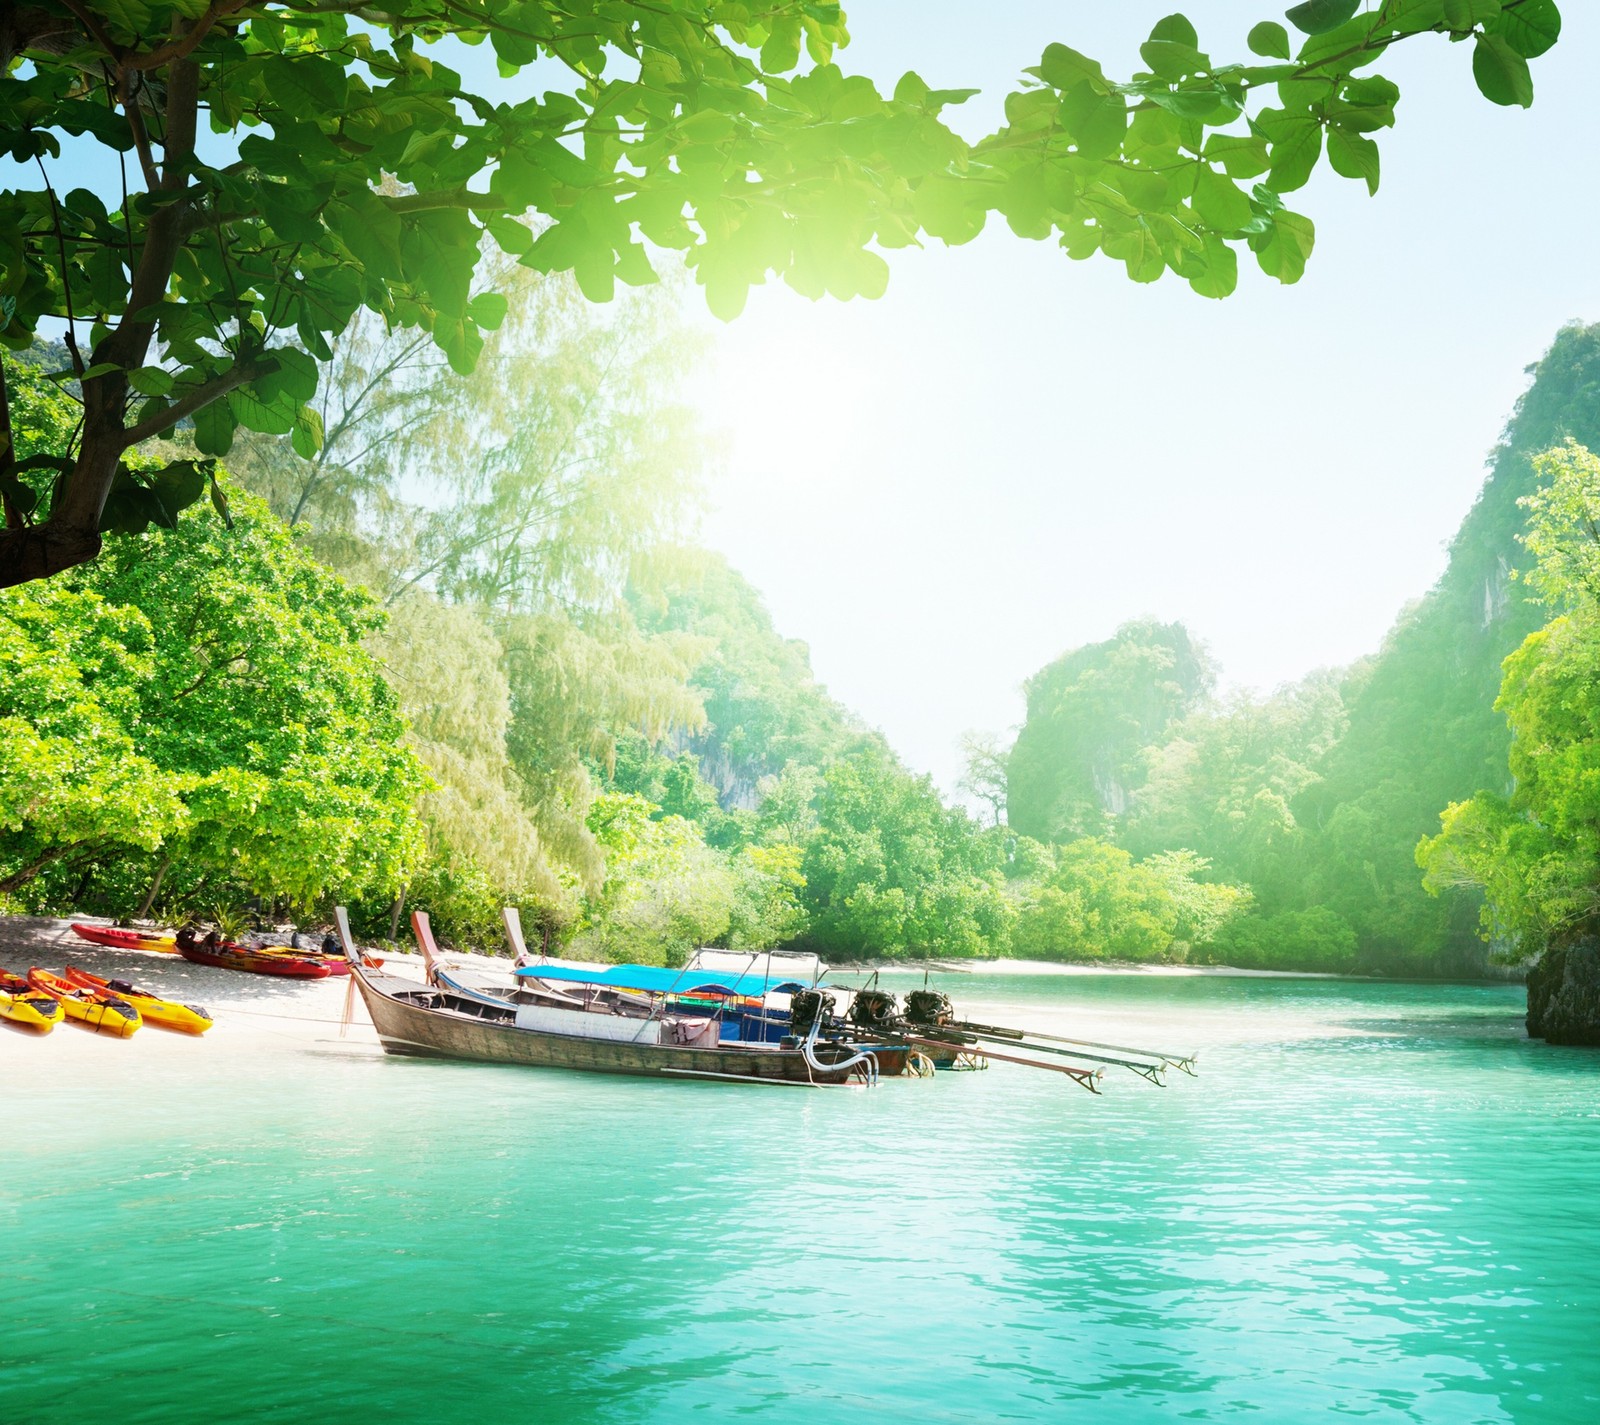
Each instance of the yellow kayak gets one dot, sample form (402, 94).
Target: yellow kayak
(21, 1005)
(168, 1013)
(103, 1013)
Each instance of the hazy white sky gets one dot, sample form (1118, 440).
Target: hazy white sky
(1011, 453)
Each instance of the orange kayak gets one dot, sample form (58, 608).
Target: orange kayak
(103, 1013)
(169, 1014)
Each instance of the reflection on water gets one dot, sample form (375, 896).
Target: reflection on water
(1375, 1200)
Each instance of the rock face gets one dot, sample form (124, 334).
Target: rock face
(1564, 994)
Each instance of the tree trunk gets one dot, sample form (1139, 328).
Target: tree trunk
(155, 889)
(394, 914)
(71, 535)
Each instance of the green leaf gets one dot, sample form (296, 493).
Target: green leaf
(1270, 40)
(213, 428)
(1353, 156)
(512, 236)
(1296, 141)
(1240, 155)
(1062, 67)
(1173, 61)
(151, 381)
(1530, 29)
(1097, 122)
(1317, 17)
(947, 209)
(781, 52)
(23, 497)
(177, 487)
(488, 310)
(219, 502)
(1217, 273)
(1502, 74)
(1464, 15)
(307, 82)
(250, 411)
(1223, 207)
(1176, 29)
(307, 434)
(1284, 248)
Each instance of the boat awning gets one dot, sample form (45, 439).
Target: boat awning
(654, 979)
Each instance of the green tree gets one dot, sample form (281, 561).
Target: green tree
(891, 871)
(1097, 904)
(665, 892)
(221, 712)
(363, 174)
(1202, 906)
(75, 784)
(767, 909)
(764, 708)
(1535, 854)
(985, 775)
(1316, 939)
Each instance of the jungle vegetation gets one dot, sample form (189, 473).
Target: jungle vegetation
(512, 679)
(399, 598)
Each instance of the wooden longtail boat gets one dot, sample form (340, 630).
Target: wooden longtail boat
(422, 1020)
(103, 1013)
(732, 992)
(169, 1014)
(118, 939)
(21, 1004)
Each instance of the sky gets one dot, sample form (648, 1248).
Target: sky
(1010, 454)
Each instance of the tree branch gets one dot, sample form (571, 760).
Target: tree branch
(182, 48)
(175, 411)
(441, 198)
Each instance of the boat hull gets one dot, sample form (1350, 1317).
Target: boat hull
(432, 1030)
(32, 1011)
(115, 939)
(252, 964)
(104, 1014)
(165, 1013)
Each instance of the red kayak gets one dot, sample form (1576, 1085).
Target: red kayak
(236, 957)
(125, 939)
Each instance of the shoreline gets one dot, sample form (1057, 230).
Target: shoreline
(25, 935)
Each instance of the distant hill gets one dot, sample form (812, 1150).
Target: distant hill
(1313, 820)
(764, 706)
(1091, 714)
(1423, 731)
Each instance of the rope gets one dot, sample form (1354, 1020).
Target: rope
(269, 1014)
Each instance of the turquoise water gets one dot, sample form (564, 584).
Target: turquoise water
(1375, 1200)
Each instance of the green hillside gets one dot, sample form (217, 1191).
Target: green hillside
(1317, 796)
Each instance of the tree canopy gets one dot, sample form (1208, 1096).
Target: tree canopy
(285, 166)
(1535, 853)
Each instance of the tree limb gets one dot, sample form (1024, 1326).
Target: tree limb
(175, 411)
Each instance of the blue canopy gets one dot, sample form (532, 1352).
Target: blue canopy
(656, 980)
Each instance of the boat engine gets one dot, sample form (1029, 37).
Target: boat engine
(929, 1007)
(806, 1007)
(873, 1009)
